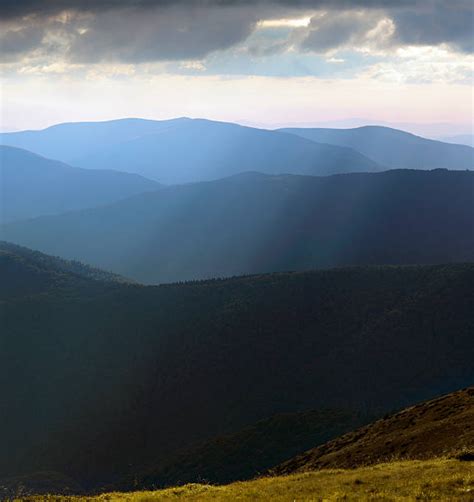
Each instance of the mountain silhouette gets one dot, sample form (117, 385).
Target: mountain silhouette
(461, 139)
(31, 185)
(187, 150)
(255, 223)
(69, 141)
(393, 148)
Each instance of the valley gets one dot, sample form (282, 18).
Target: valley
(200, 310)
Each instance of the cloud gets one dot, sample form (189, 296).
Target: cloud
(19, 41)
(335, 30)
(437, 22)
(10, 9)
(146, 31)
(137, 35)
(379, 26)
(420, 65)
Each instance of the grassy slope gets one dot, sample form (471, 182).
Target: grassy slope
(442, 426)
(441, 479)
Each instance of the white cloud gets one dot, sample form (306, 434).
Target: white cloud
(193, 65)
(285, 23)
(415, 64)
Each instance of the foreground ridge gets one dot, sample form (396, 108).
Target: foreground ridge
(441, 479)
(435, 428)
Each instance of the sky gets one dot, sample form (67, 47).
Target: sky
(265, 63)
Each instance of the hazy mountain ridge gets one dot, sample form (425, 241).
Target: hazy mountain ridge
(255, 223)
(69, 141)
(31, 185)
(187, 150)
(200, 150)
(393, 148)
(461, 139)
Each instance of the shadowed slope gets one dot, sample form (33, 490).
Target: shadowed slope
(254, 223)
(441, 427)
(251, 451)
(120, 376)
(25, 272)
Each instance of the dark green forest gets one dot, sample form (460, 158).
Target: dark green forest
(103, 381)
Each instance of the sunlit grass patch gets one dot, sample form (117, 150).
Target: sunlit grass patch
(447, 480)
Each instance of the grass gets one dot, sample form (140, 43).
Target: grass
(441, 479)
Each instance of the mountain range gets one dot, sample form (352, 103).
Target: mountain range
(186, 150)
(31, 185)
(392, 148)
(220, 302)
(255, 223)
(461, 139)
(119, 377)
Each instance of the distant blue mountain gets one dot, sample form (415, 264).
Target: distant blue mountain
(393, 148)
(187, 150)
(70, 141)
(254, 223)
(461, 139)
(31, 185)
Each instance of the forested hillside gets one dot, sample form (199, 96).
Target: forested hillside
(120, 376)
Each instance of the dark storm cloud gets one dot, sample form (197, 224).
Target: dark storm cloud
(14, 43)
(437, 22)
(134, 36)
(18, 8)
(427, 22)
(153, 30)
